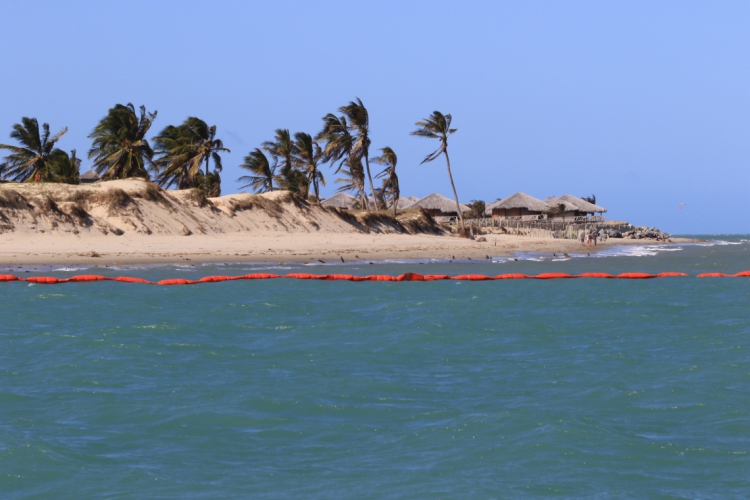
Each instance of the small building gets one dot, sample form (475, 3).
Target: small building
(584, 207)
(340, 200)
(404, 203)
(438, 205)
(519, 206)
(570, 210)
(90, 177)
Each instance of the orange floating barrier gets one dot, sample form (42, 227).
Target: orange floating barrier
(51, 280)
(87, 277)
(595, 275)
(380, 277)
(636, 276)
(410, 277)
(553, 276)
(176, 282)
(129, 279)
(45, 280)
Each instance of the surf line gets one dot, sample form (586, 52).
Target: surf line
(51, 280)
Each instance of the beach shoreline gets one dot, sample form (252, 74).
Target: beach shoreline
(40, 249)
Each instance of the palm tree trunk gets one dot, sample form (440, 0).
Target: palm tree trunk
(315, 182)
(372, 187)
(205, 178)
(455, 194)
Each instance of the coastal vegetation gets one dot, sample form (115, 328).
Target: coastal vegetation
(181, 156)
(438, 126)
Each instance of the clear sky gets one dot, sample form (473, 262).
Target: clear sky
(644, 104)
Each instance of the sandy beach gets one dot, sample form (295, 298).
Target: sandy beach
(132, 221)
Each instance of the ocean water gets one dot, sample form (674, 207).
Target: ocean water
(310, 389)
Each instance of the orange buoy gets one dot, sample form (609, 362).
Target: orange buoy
(9, 277)
(715, 275)
(472, 277)
(129, 279)
(553, 276)
(510, 276)
(87, 277)
(175, 282)
(45, 280)
(410, 277)
(595, 275)
(379, 277)
(742, 274)
(670, 275)
(636, 276)
(435, 277)
(262, 276)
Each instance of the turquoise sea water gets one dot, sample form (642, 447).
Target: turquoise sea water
(310, 389)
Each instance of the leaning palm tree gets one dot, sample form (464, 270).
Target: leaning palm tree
(120, 149)
(172, 148)
(359, 127)
(390, 189)
(182, 152)
(353, 179)
(283, 149)
(30, 162)
(257, 163)
(306, 158)
(65, 168)
(438, 126)
(338, 150)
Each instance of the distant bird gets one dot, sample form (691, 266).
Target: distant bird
(682, 205)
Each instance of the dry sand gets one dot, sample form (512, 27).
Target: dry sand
(132, 221)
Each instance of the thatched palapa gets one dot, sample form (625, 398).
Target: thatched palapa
(438, 205)
(518, 204)
(340, 200)
(554, 202)
(90, 177)
(583, 205)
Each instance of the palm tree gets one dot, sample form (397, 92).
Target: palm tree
(353, 179)
(338, 149)
(359, 127)
(307, 157)
(30, 162)
(438, 126)
(172, 149)
(257, 163)
(65, 168)
(477, 209)
(390, 188)
(184, 150)
(283, 149)
(120, 149)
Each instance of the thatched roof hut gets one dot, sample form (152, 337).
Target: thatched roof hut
(438, 205)
(340, 200)
(405, 202)
(489, 206)
(583, 205)
(519, 204)
(90, 177)
(555, 201)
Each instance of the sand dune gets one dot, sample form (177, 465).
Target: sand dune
(134, 221)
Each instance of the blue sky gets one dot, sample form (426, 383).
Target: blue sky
(645, 104)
